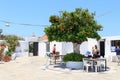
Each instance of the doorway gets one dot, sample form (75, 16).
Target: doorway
(102, 48)
(35, 48)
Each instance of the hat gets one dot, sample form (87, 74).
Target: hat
(88, 52)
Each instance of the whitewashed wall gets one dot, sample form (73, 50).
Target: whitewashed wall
(87, 45)
(108, 52)
(22, 49)
(41, 49)
(91, 43)
(67, 47)
(84, 47)
(62, 47)
(58, 46)
(107, 47)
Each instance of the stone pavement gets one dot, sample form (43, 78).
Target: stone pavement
(37, 68)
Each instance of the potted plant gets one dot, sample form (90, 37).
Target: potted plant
(74, 60)
(2, 48)
(7, 56)
(1, 53)
(12, 41)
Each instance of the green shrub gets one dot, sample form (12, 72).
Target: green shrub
(73, 57)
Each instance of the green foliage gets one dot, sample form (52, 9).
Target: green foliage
(75, 26)
(1, 51)
(31, 47)
(2, 46)
(8, 53)
(12, 41)
(73, 57)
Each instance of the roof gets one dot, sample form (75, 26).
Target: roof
(43, 38)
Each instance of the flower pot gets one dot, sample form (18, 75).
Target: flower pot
(1, 56)
(74, 65)
(7, 58)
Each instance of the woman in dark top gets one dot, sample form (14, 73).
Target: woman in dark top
(95, 52)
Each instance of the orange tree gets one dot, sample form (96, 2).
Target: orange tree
(75, 27)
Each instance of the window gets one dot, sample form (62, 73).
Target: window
(114, 43)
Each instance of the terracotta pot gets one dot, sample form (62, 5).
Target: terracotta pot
(1, 56)
(7, 58)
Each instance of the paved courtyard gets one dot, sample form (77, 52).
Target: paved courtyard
(35, 68)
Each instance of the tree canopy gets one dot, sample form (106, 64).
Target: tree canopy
(75, 26)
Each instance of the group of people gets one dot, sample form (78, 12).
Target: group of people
(95, 52)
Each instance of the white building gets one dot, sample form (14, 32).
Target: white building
(63, 47)
(108, 45)
(22, 49)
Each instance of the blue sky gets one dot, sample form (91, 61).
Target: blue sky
(37, 12)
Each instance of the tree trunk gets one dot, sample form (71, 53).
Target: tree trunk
(76, 48)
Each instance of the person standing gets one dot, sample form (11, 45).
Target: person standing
(95, 52)
(54, 49)
(54, 52)
(118, 54)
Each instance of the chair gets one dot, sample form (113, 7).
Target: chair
(99, 65)
(53, 57)
(56, 57)
(48, 54)
(103, 64)
(87, 64)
